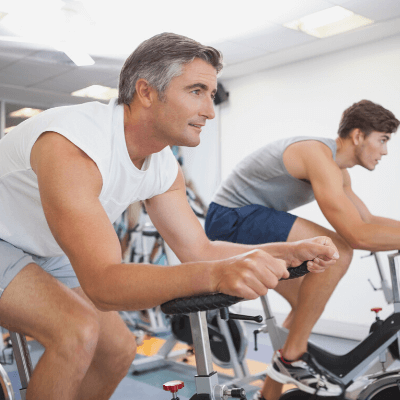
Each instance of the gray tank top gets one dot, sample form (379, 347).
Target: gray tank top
(262, 178)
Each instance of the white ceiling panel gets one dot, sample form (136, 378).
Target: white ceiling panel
(113, 83)
(374, 9)
(77, 78)
(48, 77)
(332, 44)
(340, 2)
(235, 52)
(275, 38)
(36, 98)
(8, 59)
(281, 12)
(27, 73)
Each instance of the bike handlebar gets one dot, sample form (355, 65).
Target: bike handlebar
(297, 272)
(214, 301)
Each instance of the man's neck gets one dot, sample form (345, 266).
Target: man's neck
(345, 157)
(139, 136)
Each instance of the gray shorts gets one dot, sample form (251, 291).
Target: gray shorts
(13, 260)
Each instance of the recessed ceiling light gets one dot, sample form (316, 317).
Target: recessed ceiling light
(25, 113)
(78, 56)
(329, 22)
(97, 92)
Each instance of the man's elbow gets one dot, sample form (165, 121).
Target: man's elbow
(357, 242)
(97, 296)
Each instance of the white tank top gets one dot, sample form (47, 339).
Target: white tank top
(98, 130)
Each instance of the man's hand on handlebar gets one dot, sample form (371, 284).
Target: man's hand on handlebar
(248, 275)
(320, 250)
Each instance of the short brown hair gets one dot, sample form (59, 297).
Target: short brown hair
(368, 117)
(159, 59)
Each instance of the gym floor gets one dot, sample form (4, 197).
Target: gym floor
(148, 386)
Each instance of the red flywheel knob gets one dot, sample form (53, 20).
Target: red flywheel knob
(173, 386)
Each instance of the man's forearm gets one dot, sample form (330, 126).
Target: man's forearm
(220, 250)
(375, 237)
(141, 286)
(385, 221)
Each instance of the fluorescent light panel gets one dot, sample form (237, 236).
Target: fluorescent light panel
(329, 22)
(78, 56)
(96, 92)
(25, 113)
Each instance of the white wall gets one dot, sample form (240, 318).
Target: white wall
(307, 98)
(201, 164)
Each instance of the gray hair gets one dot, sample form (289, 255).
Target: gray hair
(159, 59)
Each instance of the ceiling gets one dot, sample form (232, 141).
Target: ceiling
(37, 75)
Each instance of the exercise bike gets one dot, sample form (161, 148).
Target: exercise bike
(363, 373)
(207, 385)
(228, 339)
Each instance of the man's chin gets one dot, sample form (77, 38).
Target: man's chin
(192, 142)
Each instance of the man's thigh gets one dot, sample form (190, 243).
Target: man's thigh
(304, 229)
(32, 301)
(36, 304)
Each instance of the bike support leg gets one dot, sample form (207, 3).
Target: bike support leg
(23, 360)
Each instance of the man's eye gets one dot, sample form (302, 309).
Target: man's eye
(197, 91)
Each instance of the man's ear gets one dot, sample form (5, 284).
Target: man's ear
(145, 93)
(357, 136)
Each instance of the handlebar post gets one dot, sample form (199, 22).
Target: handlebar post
(394, 264)
(206, 378)
(198, 323)
(224, 313)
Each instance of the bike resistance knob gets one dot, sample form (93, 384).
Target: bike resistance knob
(173, 387)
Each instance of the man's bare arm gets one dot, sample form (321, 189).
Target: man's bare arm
(362, 208)
(327, 182)
(189, 242)
(69, 184)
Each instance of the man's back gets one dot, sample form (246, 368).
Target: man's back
(262, 178)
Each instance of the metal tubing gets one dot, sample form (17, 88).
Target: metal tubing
(394, 272)
(2, 118)
(22, 357)
(201, 343)
(236, 365)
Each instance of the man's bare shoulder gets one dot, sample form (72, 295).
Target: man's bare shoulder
(301, 156)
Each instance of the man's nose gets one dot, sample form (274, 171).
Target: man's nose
(208, 110)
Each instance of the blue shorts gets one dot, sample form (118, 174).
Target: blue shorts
(252, 224)
(13, 260)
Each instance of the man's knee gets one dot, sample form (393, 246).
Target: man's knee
(121, 352)
(346, 255)
(78, 341)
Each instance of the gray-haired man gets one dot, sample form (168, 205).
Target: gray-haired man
(68, 173)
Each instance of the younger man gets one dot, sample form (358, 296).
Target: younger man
(252, 205)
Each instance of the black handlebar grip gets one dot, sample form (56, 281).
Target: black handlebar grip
(214, 301)
(297, 272)
(204, 302)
